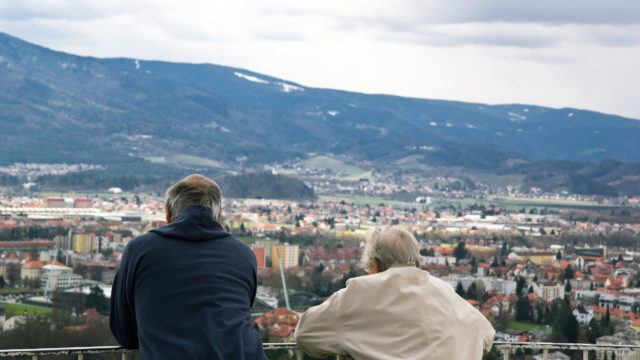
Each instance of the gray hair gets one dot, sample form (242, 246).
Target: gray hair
(194, 190)
(392, 247)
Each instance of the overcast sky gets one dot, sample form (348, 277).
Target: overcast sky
(581, 53)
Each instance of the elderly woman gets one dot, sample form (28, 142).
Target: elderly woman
(397, 312)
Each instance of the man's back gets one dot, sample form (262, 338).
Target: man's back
(401, 313)
(184, 291)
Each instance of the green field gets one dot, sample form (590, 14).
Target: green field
(364, 200)
(522, 326)
(338, 167)
(12, 309)
(514, 204)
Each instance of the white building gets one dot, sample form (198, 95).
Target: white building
(584, 316)
(549, 292)
(288, 254)
(439, 260)
(502, 286)
(59, 279)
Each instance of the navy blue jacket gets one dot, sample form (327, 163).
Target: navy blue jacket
(185, 290)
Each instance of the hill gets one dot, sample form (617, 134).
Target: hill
(264, 185)
(59, 107)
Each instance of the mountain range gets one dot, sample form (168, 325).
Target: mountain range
(59, 107)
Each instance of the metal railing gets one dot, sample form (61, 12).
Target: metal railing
(80, 352)
(506, 349)
(602, 351)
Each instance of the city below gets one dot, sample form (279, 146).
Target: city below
(541, 267)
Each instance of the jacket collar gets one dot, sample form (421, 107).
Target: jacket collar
(194, 223)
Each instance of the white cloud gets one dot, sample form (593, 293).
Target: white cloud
(547, 52)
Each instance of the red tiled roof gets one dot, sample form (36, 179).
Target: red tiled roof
(33, 265)
(344, 253)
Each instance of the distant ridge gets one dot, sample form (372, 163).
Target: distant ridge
(58, 107)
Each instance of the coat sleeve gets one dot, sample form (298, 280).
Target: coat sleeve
(122, 316)
(319, 331)
(254, 285)
(488, 334)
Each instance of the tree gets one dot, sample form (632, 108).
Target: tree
(460, 252)
(96, 299)
(491, 355)
(539, 313)
(524, 311)
(504, 250)
(565, 325)
(494, 263)
(558, 255)
(474, 265)
(551, 313)
(460, 289)
(607, 327)
(593, 331)
(567, 287)
(31, 283)
(427, 252)
(13, 274)
(520, 283)
(569, 273)
(472, 292)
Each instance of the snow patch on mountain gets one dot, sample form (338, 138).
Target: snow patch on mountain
(289, 88)
(593, 151)
(250, 78)
(515, 117)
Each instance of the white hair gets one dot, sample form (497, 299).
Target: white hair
(392, 247)
(194, 190)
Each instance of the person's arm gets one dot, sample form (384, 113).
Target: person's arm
(122, 317)
(488, 334)
(319, 331)
(254, 285)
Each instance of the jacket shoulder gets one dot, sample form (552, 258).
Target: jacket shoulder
(141, 241)
(243, 248)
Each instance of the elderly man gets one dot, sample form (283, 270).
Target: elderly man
(397, 312)
(185, 290)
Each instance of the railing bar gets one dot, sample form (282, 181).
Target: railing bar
(505, 347)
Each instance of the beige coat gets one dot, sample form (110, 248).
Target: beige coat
(401, 313)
